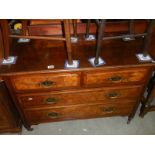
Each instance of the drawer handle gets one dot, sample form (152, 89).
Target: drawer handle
(47, 83)
(112, 95)
(53, 115)
(51, 100)
(108, 109)
(115, 78)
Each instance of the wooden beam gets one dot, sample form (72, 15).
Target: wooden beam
(5, 35)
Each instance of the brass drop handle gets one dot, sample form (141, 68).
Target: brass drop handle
(116, 78)
(108, 109)
(51, 100)
(113, 95)
(47, 83)
(53, 115)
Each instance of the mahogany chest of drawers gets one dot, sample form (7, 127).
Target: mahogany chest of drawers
(67, 95)
(50, 95)
(43, 94)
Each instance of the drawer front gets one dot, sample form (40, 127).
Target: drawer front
(115, 77)
(76, 112)
(45, 81)
(79, 97)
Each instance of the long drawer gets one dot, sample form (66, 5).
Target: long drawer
(50, 81)
(65, 98)
(115, 77)
(77, 112)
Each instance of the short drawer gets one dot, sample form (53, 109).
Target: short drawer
(45, 81)
(115, 77)
(77, 112)
(66, 98)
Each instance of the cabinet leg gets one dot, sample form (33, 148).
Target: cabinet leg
(131, 116)
(143, 114)
(129, 119)
(99, 40)
(29, 128)
(142, 111)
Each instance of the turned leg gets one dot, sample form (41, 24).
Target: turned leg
(28, 127)
(68, 41)
(131, 116)
(147, 39)
(5, 34)
(99, 40)
(147, 103)
(142, 109)
(131, 26)
(74, 27)
(129, 120)
(88, 27)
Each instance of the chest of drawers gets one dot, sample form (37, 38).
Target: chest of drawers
(68, 95)
(42, 94)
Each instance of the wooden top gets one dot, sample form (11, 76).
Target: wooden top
(38, 54)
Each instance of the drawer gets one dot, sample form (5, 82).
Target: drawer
(79, 97)
(76, 112)
(115, 77)
(46, 81)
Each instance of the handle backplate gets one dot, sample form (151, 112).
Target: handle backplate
(47, 83)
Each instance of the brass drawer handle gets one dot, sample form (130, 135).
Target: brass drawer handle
(112, 95)
(53, 115)
(115, 78)
(108, 109)
(47, 83)
(51, 100)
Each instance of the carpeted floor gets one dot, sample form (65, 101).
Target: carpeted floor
(99, 126)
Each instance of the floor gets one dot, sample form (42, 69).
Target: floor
(99, 126)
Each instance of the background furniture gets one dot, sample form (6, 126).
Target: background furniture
(148, 103)
(9, 117)
(130, 35)
(7, 35)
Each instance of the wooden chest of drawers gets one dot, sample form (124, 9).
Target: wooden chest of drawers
(42, 93)
(50, 97)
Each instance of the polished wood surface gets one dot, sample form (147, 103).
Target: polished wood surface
(115, 77)
(115, 53)
(78, 97)
(77, 112)
(46, 81)
(5, 35)
(1, 45)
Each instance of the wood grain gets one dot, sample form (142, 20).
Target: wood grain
(78, 97)
(77, 112)
(115, 77)
(36, 82)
